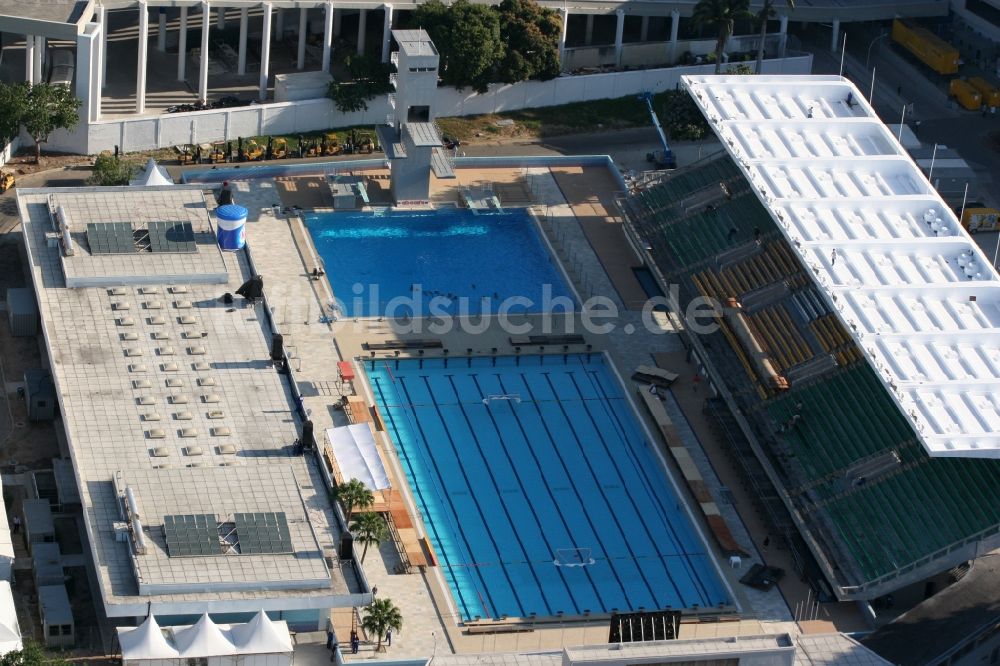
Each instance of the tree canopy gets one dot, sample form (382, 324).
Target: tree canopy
(12, 103)
(353, 495)
(531, 35)
(47, 108)
(29, 655)
(381, 616)
(479, 44)
(721, 15)
(369, 77)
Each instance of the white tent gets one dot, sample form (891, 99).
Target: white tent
(10, 632)
(357, 456)
(153, 174)
(261, 635)
(145, 642)
(202, 639)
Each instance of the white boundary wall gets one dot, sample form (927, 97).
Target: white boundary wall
(9, 150)
(165, 130)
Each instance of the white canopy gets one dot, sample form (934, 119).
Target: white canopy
(261, 635)
(145, 642)
(153, 174)
(10, 632)
(203, 639)
(354, 448)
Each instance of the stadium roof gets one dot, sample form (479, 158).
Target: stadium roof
(913, 289)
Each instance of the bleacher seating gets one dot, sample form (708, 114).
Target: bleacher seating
(847, 423)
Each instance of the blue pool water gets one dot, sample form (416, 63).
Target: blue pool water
(510, 486)
(451, 253)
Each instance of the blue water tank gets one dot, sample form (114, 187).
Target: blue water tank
(232, 222)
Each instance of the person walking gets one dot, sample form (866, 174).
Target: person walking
(17, 524)
(329, 637)
(388, 638)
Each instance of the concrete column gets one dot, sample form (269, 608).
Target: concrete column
(303, 29)
(784, 36)
(564, 12)
(362, 28)
(102, 12)
(161, 29)
(328, 36)
(387, 33)
(279, 25)
(220, 18)
(29, 58)
(97, 67)
(206, 26)
(588, 35)
(644, 29)
(140, 83)
(39, 65)
(675, 24)
(835, 36)
(87, 46)
(241, 67)
(265, 51)
(182, 41)
(619, 36)
(337, 15)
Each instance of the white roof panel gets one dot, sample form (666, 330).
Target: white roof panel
(919, 297)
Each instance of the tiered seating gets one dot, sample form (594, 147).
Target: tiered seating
(834, 339)
(774, 328)
(684, 182)
(892, 520)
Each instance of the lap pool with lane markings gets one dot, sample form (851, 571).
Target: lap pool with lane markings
(524, 466)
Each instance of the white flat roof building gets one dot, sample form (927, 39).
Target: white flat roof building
(919, 297)
(166, 390)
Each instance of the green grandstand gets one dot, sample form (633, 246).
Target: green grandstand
(871, 499)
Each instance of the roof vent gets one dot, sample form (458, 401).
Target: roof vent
(146, 400)
(193, 451)
(227, 450)
(183, 416)
(169, 367)
(206, 381)
(150, 416)
(194, 335)
(160, 335)
(211, 398)
(157, 320)
(120, 305)
(178, 399)
(188, 433)
(141, 384)
(179, 290)
(174, 383)
(198, 464)
(201, 366)
(138, 367)
(129, 336)
(133, 351)
(196, 351)
(182, 305)
(216, 414)
(154, 305)
(126, 321)
(165, 351)
(117, 291)
(161, 452)
(221, 431)
(156, 433)
(186, 319)
(149, 290)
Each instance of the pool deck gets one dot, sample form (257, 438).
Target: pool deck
(282, 252)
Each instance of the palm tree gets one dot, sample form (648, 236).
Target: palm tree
(369, 529)
(381, 616)
(721, 14)
(353, 495)
(765, 14)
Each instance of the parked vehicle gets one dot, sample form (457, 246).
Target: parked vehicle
(6, 180)
(980, 219)
(967, 96)
(991, 96)
(930, 49)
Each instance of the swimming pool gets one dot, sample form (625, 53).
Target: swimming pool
(519, 462)
(450, 253)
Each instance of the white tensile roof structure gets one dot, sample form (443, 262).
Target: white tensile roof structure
(153, 174)
(890, 258)
(10, 631)
(205, 638)
(145, 642)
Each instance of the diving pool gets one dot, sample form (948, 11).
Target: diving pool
(451, 253)
(517, 463)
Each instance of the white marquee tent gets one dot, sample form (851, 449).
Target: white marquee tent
(357, 455)
(259, 642)
(10, 632)
(153, 174)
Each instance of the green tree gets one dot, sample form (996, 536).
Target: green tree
(467, 37)
(531, 35)
(29, 655)
(681, 117)
(381, 616)
(110, 170)
(369, 77)
(765, 14)
(369, 528)
(353, 495)
(13, 97)
(721, 15)
(46, 109)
